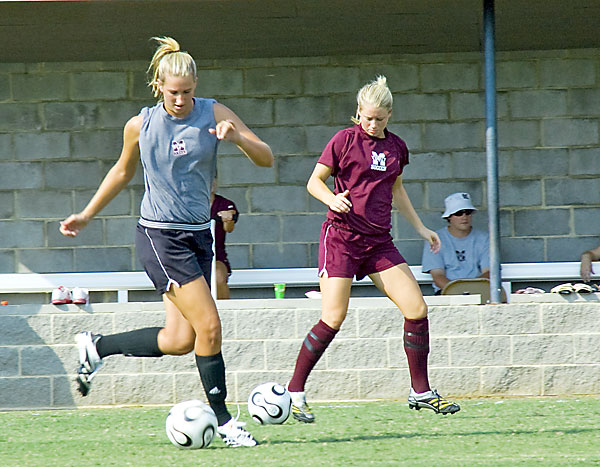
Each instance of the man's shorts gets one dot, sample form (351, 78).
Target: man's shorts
(343, 253)
(174, 257)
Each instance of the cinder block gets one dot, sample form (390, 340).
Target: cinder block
(569, 248)
(325, 80)
(264, 324)
(583, 102)
(523, 318)
(540, 350)
(7, 261)
(239, 195)
(556, 321)
(66, 325)
(120, 231)
(115, 114)
(294, 110)
(19, 116)
(42, 260)
(380, 322)
(411, 133)
(420, 107)
(400, 76)
(527, 162)
(586, 348)
(9, 361)
(55, 360)
(472, 164)
(257, 111)
(437, 192)
(286, 255)
(5, 93)
(569, 131)
(120, 205)
(586, 221)
(244, 355)
(571, 380)
(92, 235)
(139, 88)
(40, 86)
(537, 222)
(69, 116)
(317, 138)
(511, 380)
(383, 384)
(25, 392)
(47, 204)
(131, 388)
(239, 170)
(357, 354)
(301, 228)
(286, 199)
(272, 81)
(464, 381)
(216, 83)
(104, 144)
(21, 175)
(583, 162)
(103, 259)
(46, 145)
(6, 146)
(7, 204)
(448, 76)
(99, 85)
(522, 250)
(238, 255)
(295, 169)
(572, 191)
(79, 174)
(282, 354)
(168, 364)
(343, 108)
(326, 385)
(519, 134)
(537, 103)
(449, 136)
(21, 234)
(520, 193)
(411, 250)
(516, 74)
(480, 351)
(256, 228)
(564, 72)
(430, 166)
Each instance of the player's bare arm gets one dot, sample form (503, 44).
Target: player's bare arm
(403, 204)
(115, 180)
(227, 219)
(317, 187)
(231, 128)
(586, 263)
(439, 277)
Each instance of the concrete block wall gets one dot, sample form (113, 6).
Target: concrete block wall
(61, 125)
(521, 349)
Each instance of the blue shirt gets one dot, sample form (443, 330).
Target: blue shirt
(460, 258)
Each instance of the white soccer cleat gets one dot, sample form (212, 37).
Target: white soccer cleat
(300, 409)
(61, 296)
(80, 296)
(90, 361)
(233, 434)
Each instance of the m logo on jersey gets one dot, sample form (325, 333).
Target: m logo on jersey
(179, 148)
(378, 161)
(460, 255)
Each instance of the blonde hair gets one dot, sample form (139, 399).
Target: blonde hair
(375, 93)
(169, 60)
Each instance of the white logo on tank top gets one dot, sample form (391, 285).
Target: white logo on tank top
(179, 148)
(378, 161)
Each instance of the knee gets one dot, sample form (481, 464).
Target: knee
(419, 311)
(171, 344)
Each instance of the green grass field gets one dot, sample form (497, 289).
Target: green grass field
(535, 431)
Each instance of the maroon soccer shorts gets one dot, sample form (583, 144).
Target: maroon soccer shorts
(343, 253)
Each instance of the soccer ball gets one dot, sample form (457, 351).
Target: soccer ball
(191, 425)
(269, 404)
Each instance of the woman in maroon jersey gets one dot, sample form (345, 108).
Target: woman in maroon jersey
(366, 161)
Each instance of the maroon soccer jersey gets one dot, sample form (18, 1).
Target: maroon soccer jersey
(221, 204)
(368, 167)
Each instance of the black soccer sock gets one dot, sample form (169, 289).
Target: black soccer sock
(212, 374)
(138, 343)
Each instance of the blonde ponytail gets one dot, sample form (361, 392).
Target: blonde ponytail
(376, 93)
(169, 60)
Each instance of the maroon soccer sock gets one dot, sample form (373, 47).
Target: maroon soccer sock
(312, 348)
(416, 346)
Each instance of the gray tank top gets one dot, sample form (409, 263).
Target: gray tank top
(179, 157)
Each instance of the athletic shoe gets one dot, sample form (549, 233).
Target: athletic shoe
(89, 359)
(80, 296)
(300, 409)
(233, 434)
(431, 400)
(61, 296)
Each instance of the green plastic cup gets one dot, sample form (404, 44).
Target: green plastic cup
(279, 290)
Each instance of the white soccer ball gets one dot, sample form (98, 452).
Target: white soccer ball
(269, 404)
(191, 425)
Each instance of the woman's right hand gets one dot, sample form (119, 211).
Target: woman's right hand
(341, 203)
(71, 226)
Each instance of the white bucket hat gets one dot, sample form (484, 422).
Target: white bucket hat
(457, 202)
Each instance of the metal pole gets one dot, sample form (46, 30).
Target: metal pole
(491, 144)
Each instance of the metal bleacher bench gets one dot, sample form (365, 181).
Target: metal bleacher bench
(123, 282)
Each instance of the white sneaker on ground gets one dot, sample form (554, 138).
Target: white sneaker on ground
(233, 434)
(61, 296)
(80, 296)
(90, 361)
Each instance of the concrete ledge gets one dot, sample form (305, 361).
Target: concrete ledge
(546, 347)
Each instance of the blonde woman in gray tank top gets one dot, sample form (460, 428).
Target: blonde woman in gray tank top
(177, 141)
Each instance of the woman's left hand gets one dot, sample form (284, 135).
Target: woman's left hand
(433, 239)
(226, 130)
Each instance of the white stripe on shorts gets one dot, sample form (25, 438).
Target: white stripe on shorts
(169, 280)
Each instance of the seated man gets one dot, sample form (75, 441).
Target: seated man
(586, 263)
(224, 212)
(465, 251)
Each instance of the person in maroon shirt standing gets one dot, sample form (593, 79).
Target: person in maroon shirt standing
(225, 214)
(366, 162)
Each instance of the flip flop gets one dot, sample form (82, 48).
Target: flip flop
(583, 288)
(563, 289)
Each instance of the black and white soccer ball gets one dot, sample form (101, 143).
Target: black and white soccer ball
(269, 404)
(191, 425)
